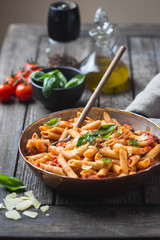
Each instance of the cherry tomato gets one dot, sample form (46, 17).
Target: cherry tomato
(29, 65)
(24, 92)
(18, 75)
(32, 70)
(6, 92)
(28, 80)
(10, 80)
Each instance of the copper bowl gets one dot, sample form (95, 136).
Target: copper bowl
(88, 187)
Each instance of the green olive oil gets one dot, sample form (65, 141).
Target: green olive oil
(117, 82)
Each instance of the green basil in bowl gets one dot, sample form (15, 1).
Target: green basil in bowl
(58, 88)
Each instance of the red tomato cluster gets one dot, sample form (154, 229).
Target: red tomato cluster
(19, 84)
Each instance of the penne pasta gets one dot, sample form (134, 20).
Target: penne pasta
(99, 149)
(66, 168)
(53, 169)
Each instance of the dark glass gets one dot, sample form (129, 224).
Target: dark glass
(63, 21)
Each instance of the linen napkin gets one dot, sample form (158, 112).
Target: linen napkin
(147, 102)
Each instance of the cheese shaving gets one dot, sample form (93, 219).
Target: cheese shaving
(1, 206)
(143, 137)
(11, 203)
(129, 149)
(30, 214)
(86, 167)
(12, 195)
(13, 214)
(99, 161)
(44, 208)
(35, 202)
(119, 130)
(29, 194)
(24, 205)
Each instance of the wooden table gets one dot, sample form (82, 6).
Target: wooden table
(134, 214)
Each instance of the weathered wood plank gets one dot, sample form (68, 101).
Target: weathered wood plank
(140, 29)
(90, 222)
(132, 197)
(152, 187)
(143, 62)
(35, 111)
(144, 68)
(20, 43)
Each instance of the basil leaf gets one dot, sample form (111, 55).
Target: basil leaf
(75, 81)
(37, 76)
(53, 122)
(106, 160)
(86, 137)
(133, 142)
(12, 183)
(60, 78)
(108, 127)
(48, 85)
(106, 136)
(103, 130)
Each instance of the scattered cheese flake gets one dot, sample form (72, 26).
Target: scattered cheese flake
(24, 205)
(12, 195)
(143, 137)
(24, 198)
(86, 166)
(13, 214)
(29, 194)
(30, 214)
(35, 202)
(119, 130)
(1, 206)
(75, 139)
(44, 208)
(47, 214)
(75, 151)
(129, 149)
(99, 161)
(117, 145)
(11, 203)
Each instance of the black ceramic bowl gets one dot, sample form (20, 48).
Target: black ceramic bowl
(60, 98)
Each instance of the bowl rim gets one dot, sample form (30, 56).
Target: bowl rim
(90, 179)
(60, 89)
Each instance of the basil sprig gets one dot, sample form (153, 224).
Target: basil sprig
(55, 79)
(12, 183)
(104, 130)
(133, 142)
(53, 122)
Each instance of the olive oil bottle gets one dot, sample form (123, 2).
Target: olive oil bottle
(96, 64)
